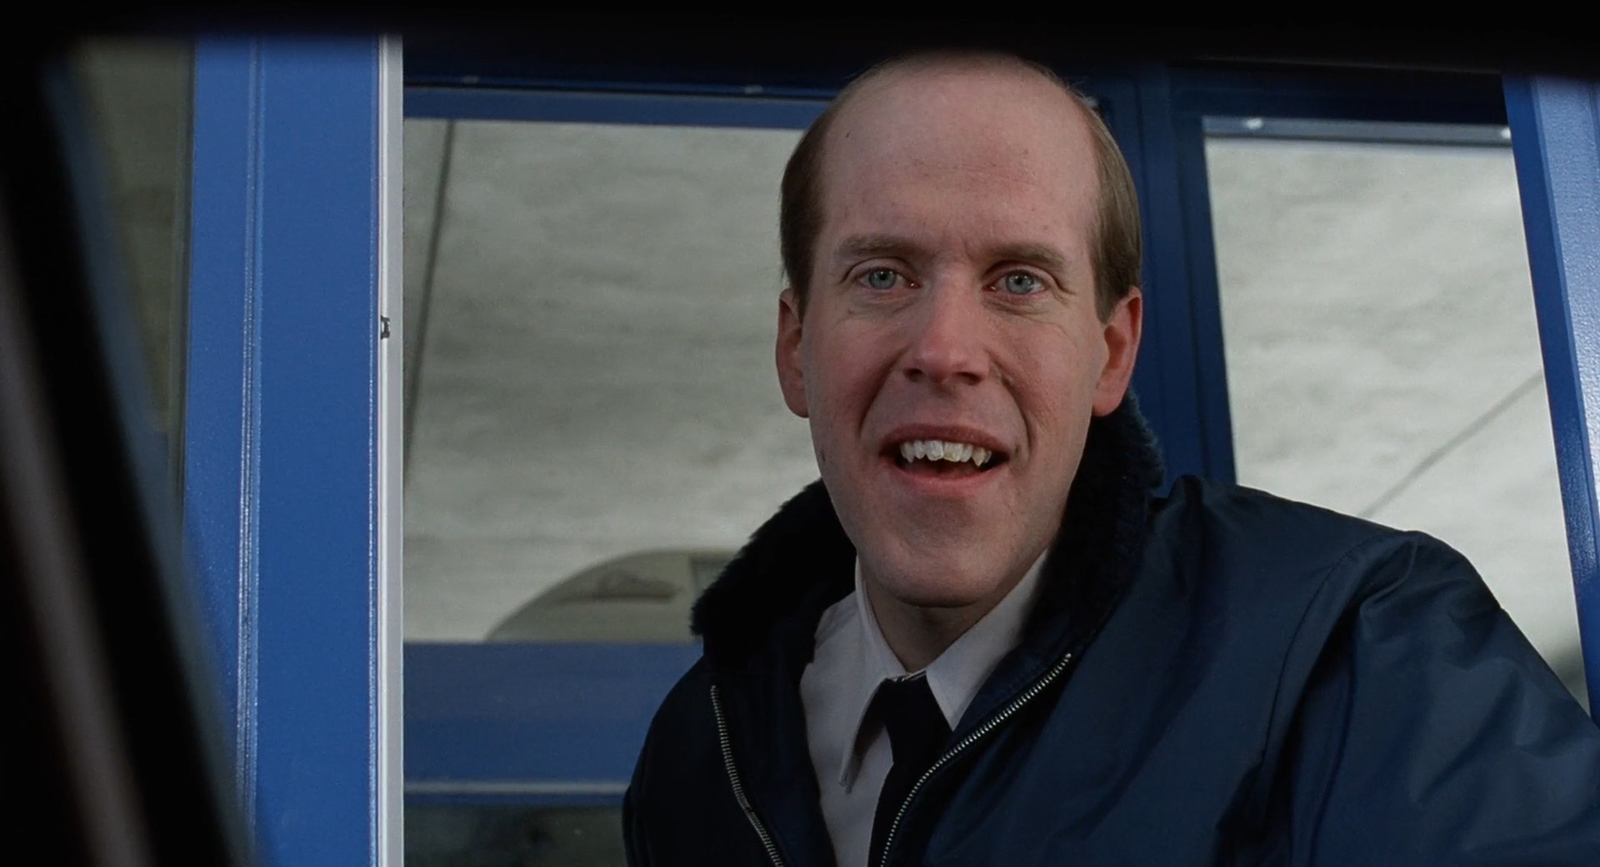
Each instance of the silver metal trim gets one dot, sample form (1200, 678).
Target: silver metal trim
(246, 705)
(516, 787)
(1358, 132)
(389, 770)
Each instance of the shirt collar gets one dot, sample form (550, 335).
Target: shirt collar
(955, 676)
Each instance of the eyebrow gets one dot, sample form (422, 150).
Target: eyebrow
(1041, 255)
(869, 246)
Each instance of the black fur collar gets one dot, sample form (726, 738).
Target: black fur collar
(801, 561)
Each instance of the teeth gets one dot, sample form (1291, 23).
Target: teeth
(939, 450)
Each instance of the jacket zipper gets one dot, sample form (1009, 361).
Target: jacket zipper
(965, 743)
(738, 787)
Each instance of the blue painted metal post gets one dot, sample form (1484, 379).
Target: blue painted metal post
(1179, 377)
(1555, 136)
(286, 468)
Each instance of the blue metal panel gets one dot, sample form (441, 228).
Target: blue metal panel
(677, 109)
(1118, 105)
(1169, 321)
(1381, 95)
(1214, 424)
(532, 722)
(1555, 136)
(280, 477)
(1171, 381)
(222, 412)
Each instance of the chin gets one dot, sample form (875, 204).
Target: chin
(939, 598)
(932, 582)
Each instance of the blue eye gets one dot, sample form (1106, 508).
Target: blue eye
(1021, 283)
(881, 278)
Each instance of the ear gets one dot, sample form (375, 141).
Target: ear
(791, 373)
(1122, 332)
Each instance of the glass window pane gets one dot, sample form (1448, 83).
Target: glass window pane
(594, 417)
(1382, 354)
(593, 426)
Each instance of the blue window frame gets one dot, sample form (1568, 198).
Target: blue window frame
(286, 476)
(286, 517)
(1555, 135)
(537, 724)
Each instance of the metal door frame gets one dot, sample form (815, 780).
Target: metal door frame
(292, 499)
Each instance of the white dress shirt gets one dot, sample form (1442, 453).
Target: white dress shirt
(851, 753)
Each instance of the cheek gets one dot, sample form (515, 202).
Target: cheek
(1057, 372)
(829, 394)
(843, 368)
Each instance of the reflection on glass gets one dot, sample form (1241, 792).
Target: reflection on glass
(1382, 354)
(138, 99)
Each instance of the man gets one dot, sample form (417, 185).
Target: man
(979, 640)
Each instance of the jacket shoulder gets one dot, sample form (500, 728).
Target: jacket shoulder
(1288, 574)
(1257, 537)
(1390, 662)
(1237, 508)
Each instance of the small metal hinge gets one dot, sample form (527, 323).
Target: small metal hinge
(384, 334)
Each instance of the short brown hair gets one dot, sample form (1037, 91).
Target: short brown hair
(1115, 249)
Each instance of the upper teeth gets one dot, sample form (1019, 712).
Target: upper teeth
(939, 450)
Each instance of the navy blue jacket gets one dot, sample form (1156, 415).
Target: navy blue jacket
(1216, 677)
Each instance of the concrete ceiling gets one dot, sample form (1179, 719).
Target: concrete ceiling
(595, 370)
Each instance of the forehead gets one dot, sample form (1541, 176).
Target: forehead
(964, 135)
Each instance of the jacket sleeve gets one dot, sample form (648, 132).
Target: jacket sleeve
(1431, 732)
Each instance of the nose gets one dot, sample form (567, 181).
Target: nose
(946, 337)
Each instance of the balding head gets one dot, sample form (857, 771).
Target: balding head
(971, 297)
(1115, 241)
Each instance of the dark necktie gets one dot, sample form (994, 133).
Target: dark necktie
(917, 730)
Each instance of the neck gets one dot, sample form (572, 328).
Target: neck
(917, 633)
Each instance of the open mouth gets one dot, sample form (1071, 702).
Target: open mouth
(945, 458)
